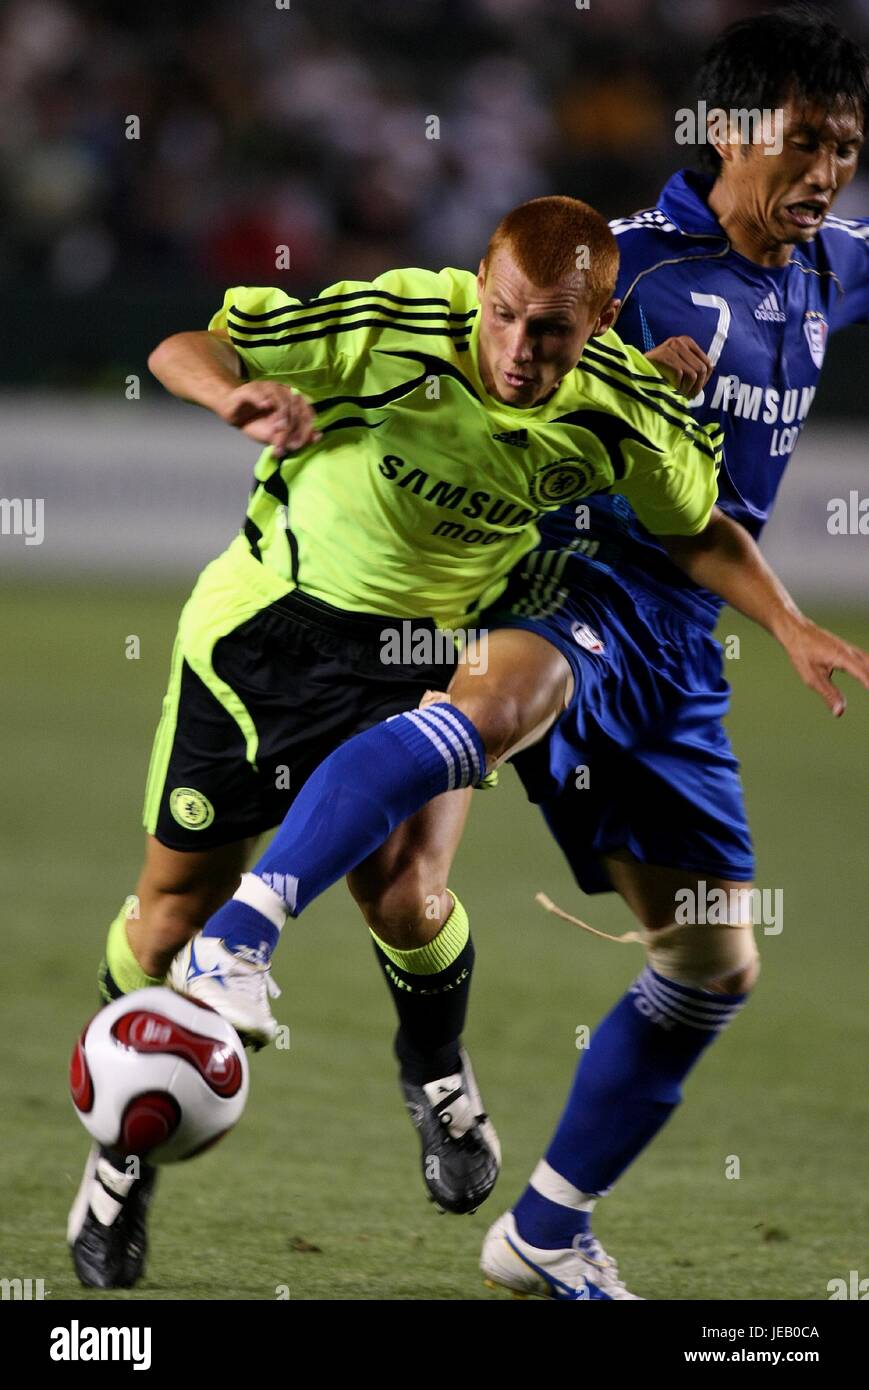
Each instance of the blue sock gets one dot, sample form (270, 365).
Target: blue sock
(627, 1085)
(347, 808)
(250, 923)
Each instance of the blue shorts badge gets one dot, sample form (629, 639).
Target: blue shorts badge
(587, 637)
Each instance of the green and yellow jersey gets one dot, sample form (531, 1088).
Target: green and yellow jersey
(424, 490)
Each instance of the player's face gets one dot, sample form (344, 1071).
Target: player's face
(530, 337)
(785, 197)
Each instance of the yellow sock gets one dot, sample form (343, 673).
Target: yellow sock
(120, 972)
(438, 953)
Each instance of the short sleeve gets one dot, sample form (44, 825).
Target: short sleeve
(279, 337)
(673, 493)
(847, 243)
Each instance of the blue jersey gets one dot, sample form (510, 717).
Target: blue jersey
(766, 330)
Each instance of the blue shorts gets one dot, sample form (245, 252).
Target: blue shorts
(640, 759)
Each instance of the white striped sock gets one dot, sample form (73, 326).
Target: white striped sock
(665, 1002)
(433, 734)
(254, 891)
(557, 1189)
(455, 729)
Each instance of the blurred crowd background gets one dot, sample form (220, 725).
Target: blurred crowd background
(307, 123)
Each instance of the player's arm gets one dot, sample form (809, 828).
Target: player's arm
(726, 559)
(205, 369)
(671, 485)
(847, 246)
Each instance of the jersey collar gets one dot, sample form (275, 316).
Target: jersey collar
(684, 202)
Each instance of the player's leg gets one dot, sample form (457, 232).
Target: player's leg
(628, 1083)
(422, 940)
(421, 933)
(659, 787)
(205, 803)
(676, 801)
(351, 805)
(176, 893)
(360, 794)
(650, 892)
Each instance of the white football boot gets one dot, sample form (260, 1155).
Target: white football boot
(581, 1272)
(237, 985)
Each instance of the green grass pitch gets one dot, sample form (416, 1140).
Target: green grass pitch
(317, 1194)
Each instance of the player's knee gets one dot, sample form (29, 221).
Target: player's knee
(719, 958)
(499, 722)
(740, 981)
(400, 911)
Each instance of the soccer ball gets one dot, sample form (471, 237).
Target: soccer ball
(159, 1075)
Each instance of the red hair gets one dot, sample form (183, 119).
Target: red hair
(552, 239)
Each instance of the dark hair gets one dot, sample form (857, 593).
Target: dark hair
(797, 51)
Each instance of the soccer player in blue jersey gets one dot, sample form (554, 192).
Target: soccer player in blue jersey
(747, 262)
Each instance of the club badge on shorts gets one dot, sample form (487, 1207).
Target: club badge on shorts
(190, 808)
(587, 637)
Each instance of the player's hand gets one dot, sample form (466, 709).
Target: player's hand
(817, 654)
(683, 363)
(272, 414)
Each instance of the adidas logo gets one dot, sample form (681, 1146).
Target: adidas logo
(769, 310)
(519, 438)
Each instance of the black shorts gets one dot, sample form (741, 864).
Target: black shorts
(248, 717)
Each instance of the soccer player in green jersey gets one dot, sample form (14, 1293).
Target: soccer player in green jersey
(409, 451)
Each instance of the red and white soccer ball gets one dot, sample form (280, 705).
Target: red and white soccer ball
(158, 1075)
